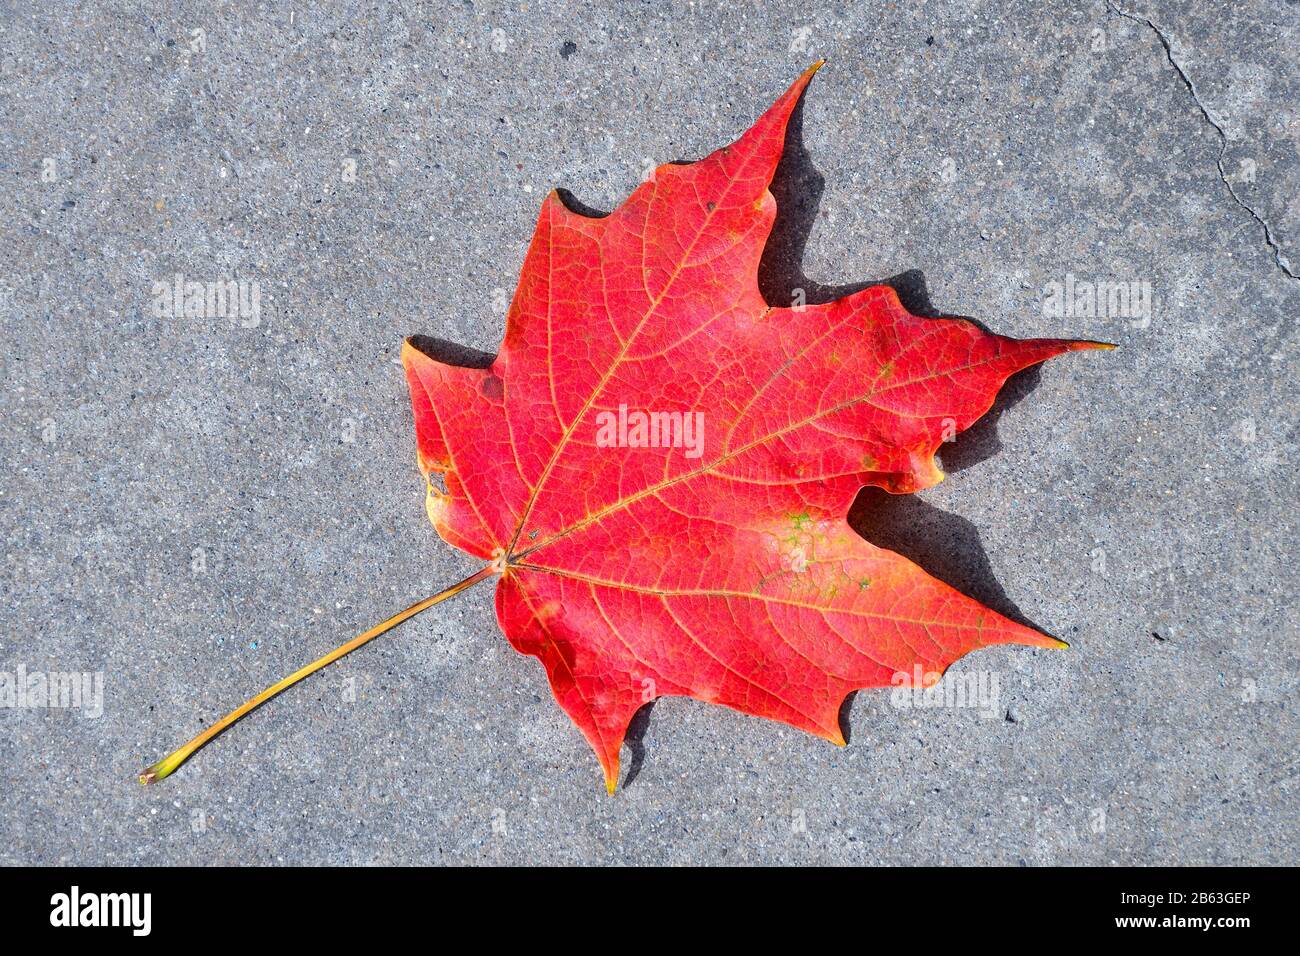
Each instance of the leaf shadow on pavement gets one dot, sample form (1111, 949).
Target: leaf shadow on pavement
(634, 739)
(451, 353)
(945, 545)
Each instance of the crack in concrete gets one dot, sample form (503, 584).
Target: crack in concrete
(1282, 261)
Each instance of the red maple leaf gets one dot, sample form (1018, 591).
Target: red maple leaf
(659, 463)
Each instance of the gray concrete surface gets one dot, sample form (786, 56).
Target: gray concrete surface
(195, 506)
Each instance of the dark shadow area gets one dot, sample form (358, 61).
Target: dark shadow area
(846, 708)
(980, 441)
(635, 741)
(451, 353)
(573, 204)
(797, 188)
(945, 545)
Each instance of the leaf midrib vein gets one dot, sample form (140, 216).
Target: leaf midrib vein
(723, 593)
(618, 360)
(723, 459)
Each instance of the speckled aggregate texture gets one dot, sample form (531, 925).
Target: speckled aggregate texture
(195, 505)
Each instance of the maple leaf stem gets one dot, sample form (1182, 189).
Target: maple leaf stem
(169, 764)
